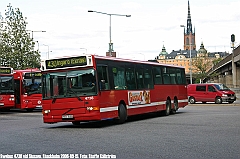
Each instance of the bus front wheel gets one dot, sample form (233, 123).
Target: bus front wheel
(122, 114)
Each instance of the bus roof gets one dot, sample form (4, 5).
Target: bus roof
(28, 70)
(134, 61)
(85, 60)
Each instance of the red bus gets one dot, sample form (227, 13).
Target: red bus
(7, 99)
(28, 90)
(90, 87)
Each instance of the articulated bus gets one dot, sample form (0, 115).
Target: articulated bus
(7, 99)
(90, 87)
(28, 90)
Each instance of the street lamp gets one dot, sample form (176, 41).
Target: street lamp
(48, 51)
(37, 31)
(110, 43)
(190, 61)
(84, 49)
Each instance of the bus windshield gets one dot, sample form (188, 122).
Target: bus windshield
(6, 84)
(32, 85)
(69, 84)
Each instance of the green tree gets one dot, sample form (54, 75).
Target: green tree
(216, 61)
(17, 46)
(201, 64)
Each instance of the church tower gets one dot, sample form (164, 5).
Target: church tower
(189, 35)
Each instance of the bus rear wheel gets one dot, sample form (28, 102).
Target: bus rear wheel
(168, 108)
(122, 114)
(175, 108)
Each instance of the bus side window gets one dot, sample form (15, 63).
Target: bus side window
(172, 74)
(103, 77)
(119, 78)
(157, 75)
(130, 78)
(139, 77)
(148, 78)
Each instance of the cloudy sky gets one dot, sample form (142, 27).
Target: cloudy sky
(72, 30)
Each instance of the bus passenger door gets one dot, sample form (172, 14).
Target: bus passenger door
(17, 91)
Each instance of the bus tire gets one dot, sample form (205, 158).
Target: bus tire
(122, 114)
(175, 108)
(218, 100)
(168, 108)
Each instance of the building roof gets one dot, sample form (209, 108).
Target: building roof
(186, 53)
(202, 50)
(163, 52)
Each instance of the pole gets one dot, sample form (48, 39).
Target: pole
(110, 34)
(190, 63)
(110, 43)
(190, 53)
(48, 51)
(234, 81)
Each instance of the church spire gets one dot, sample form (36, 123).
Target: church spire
(189, 35)
(189, 22)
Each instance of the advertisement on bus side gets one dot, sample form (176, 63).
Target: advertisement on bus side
(139, 97)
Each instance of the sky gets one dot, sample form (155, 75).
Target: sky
(72, 30)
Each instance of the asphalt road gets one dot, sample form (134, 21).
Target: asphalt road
(198, 131)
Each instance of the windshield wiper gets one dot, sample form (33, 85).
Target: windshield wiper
(54, 100)
(70, 90)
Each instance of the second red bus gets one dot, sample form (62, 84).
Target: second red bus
(28, 89)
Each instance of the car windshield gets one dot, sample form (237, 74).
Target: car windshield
(69, 84)
(221, 87)
(6, 84)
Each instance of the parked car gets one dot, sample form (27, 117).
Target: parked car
(210, 92)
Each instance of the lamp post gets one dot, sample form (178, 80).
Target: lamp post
(48, 51)
(190, 54)
(110, 15)
(38, 46)
(234, 67)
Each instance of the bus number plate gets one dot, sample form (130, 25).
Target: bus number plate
(67, 116)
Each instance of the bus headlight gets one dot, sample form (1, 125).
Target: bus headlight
(45, 111)
(92, 108)
(11, 99)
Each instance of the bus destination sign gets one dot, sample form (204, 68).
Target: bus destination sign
(33, 74)
(5, 70)
(66, 62)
